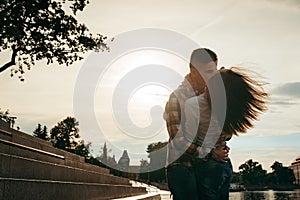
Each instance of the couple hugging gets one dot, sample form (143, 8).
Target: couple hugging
(205, 111)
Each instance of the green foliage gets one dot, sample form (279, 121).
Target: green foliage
(157, 154)
(65, 135)
(281, 175)
(40, 29)
(156, 146)
(252, 173)
(236, 178)
(41, 132)
(82, 149)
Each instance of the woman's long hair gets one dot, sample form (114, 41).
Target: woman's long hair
(245, 99)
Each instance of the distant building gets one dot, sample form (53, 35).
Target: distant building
(295, 166)
(112, 161)
(129, 171)
(124, 162)
(134, 172)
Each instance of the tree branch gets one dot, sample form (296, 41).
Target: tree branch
(12, 62)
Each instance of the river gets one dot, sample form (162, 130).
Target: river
(267, 195)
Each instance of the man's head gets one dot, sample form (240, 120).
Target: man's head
(203, 65)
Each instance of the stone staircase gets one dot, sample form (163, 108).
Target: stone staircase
(31, 168)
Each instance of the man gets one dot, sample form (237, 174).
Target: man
(181, 177)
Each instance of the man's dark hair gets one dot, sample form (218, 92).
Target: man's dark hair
(203, 55)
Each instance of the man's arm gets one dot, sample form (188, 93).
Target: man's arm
(172, 115)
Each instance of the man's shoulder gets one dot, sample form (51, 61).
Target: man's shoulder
(173, 96)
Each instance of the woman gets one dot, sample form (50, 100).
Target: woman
(230, 104)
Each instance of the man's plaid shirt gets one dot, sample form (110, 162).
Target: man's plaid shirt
(174, 119)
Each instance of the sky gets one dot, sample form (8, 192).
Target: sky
(261, 35)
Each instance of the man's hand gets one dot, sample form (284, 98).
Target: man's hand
(221, 154)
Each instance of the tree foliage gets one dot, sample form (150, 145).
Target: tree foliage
(41, 29)
(65, 135)
(253, 173)
(281, 175)
(41, 132)
(157, 154)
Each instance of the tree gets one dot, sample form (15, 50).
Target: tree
(236, 178)
(82, 149)
(65, 135)
(144, 170)
(40, 29)
(157, 154)
(252, 173)
(281, 175)
(41, 132)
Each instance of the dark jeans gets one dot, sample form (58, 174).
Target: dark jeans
(182, 182)
(213, 179)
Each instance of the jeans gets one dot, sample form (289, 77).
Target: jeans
(182, 182)
(213, 179)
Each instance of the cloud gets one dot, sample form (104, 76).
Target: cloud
(288, 90)
(285, 96)
(283, 103)
(282, 100)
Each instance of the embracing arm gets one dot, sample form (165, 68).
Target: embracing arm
(190, 135)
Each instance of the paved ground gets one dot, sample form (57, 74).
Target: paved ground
(165, 195)
(152, 191)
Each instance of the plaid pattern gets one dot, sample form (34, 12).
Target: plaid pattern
(174, 118)
(181, 149)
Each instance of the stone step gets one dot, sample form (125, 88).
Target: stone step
(26, 168)
(28, 189)
(149, 196)
(24, 151)
(20, 138)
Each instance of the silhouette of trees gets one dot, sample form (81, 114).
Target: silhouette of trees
(281, 175)
(41, 132)
(65, 135)
(157, 154)
(34, 30)
(253, 173)
(236, 178)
